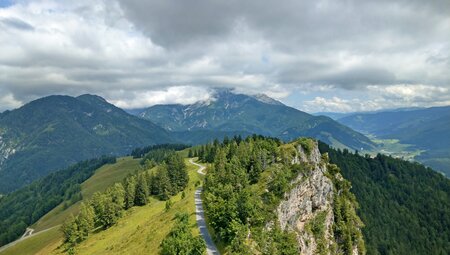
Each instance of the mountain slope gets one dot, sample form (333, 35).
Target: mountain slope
(405, 206)
(427, 129)
(56, 131)
(229, 112)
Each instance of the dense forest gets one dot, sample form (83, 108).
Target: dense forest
(404, 205)
(25, 206)
(104, 209)
(141, 152)
(245, 184)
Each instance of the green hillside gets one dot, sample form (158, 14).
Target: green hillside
(56, 131)
(104, 177)
(140, 231)
(405, 206)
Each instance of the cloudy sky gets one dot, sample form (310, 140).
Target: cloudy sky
(338, 56)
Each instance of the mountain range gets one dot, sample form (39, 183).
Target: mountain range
(246, 114)
(425, 129)
(53, 132)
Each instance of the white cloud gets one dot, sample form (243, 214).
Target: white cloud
(138, 53)
(383, 97)
(334, 104)
(178, 94)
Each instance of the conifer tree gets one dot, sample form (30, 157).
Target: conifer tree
(85, 221)
(70, 231)
(140, 198)
(130, 191)
(177, 172)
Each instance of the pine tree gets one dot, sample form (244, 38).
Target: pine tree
(190, 153)
(130, 191)
(70, 231)
(85, 221)
(98, 203)
(117, 194)
(140, 198)
(177, 172)
(164, 186)
(180, 239)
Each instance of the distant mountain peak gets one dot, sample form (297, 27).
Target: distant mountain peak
(231, 94)
(266, 99)
(91, 97)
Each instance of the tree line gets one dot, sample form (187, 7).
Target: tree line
(141, 152)
(103, 210)
(405, 206)
(25, 206)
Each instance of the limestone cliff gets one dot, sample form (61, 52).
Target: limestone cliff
(319, 207)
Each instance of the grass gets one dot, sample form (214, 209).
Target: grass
(104, 177)
(40, 243)
(49, 240)
(142, 229)
(394, 148)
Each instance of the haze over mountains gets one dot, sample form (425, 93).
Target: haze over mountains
(426, 129)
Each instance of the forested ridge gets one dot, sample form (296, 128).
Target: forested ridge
(404, 205)
(247, 181)
(26, 205)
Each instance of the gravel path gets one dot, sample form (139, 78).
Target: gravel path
(211, 248)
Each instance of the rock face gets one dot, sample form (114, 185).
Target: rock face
(308, 207)
(6, 150)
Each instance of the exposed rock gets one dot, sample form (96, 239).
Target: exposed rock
(310, 200)
(6, 150)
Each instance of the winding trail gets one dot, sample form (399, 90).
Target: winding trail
(28, 233)
(211, 248)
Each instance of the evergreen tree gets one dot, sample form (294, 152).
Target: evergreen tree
(98, 203)
(176, 169)
(163, 185)
(117, 194)
(130, 191)
(140, 198)
(181, 241)
(85, 221)
(70, 231)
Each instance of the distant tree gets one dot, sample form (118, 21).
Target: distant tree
(163, 186)
(70, 231)
(130, 191)
(177, 172)
(98, 203)
(190, 153)
(85, 221)
(117, 194)
(140, 198)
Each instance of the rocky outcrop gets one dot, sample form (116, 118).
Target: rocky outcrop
(6, 150)
(308, 207)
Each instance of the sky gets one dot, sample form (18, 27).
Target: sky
(317, 56)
